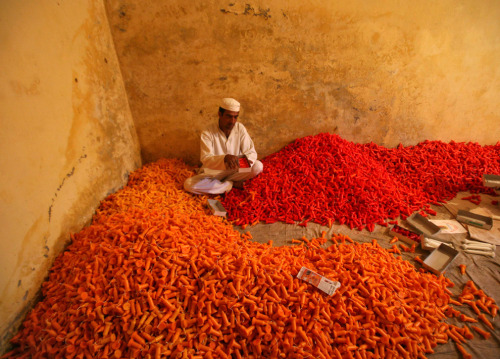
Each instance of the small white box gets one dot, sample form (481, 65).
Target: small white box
(326, 285)
(474, 219)
(217, 208)
(423, 225)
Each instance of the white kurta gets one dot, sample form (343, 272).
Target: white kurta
(215, 146)
(213, 176)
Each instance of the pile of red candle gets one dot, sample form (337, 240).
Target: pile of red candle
(405, 232)
(325, 178)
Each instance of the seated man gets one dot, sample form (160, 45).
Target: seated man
(222, 145)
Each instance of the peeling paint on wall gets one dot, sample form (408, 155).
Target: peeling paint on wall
(248, 10)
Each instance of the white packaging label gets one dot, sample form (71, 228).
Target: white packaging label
(326, 285)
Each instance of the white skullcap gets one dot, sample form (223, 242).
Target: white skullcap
(230, 104)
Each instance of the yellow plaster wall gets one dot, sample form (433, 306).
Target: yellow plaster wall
(384, 71)
(67, 137)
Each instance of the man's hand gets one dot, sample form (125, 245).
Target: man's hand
(231, 162)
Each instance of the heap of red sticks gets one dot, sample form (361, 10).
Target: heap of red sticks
(325, 178)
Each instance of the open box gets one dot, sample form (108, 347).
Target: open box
(474, 219)
(406, 235)
(217, 208)
(439, 259)
(244, 165)
(423, 225)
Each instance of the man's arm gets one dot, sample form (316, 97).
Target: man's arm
(247, 146)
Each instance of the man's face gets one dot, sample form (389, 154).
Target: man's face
(227, 121)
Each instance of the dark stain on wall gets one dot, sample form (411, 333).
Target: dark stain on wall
(67, 176)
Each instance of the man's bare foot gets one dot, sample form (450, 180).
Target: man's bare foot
(238, 184)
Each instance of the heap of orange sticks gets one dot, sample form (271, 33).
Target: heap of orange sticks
(156, 276)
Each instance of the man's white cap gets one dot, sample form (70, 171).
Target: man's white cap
(230, 104)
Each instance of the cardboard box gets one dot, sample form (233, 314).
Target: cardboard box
(244, 165)
(406, 235)
(491, 181)
(423, 225)
(217, 208)
(440, 258)
(474, 219)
